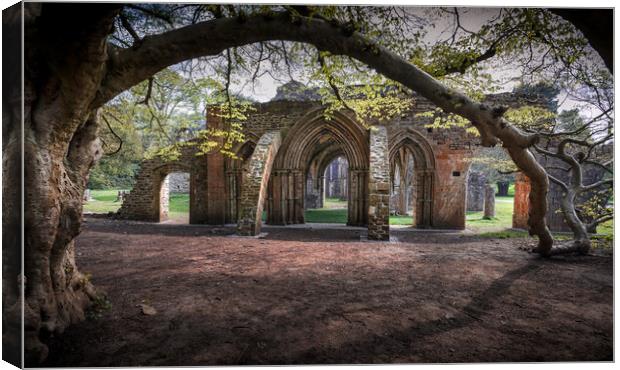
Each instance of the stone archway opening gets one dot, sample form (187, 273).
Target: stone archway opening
(298, 179)
(174, 198)
(402, 191)
(326, 190)
(412, 174)
(336, 184)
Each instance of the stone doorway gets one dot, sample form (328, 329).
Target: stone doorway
(298, 178)
(174, 198)
(412, 173)
(326, 192)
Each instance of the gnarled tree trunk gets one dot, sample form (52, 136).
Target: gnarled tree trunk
(581, 241)
(64, 65)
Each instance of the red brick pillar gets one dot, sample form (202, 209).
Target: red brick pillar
(521, 209)
(216, 176)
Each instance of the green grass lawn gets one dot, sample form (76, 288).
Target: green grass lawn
(511, 190)
(401, 220)
(327, 215)
(502, 220)
(178, 206)
(335, 212)
(104, 202)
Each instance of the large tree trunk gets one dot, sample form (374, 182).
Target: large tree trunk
(581, 239)
(581, 242)
(56, 292)
(11, 186)
(64, 65)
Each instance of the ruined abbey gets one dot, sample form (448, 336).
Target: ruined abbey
(401, 166)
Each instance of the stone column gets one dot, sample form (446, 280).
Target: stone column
(321, 192)
(215, 192)
(489, 202)
(312, 193)
(87, 195)
(379, 186)
(342, 180)
(232, 196)
(255, 182)
(476, 183)
(402, 192)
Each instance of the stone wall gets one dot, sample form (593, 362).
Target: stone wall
(148, 200)
(554, 217)
(449, 196)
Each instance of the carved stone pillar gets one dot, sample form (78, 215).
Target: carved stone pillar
(379, 186)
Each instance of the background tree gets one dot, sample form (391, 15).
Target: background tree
(578, 155)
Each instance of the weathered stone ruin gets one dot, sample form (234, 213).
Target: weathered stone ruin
(476, 184)
(281, 166)
(336, 179)
(489, 202)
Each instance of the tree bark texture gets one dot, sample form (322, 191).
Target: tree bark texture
(12, 200)
(64, 65)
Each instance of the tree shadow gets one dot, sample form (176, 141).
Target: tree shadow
(402, 339)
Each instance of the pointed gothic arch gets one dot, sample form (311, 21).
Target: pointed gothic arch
(408, 143)
(315, 139)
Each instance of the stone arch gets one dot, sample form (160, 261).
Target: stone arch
(145, 200)
(315, 175)
(162, 187)
(310, 138)
(406, 143)
(255, 181)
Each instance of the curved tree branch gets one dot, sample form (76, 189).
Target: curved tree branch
(130, 66)
(120, 140)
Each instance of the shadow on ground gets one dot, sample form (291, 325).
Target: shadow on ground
(292, 299)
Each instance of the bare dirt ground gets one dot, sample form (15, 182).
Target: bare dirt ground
(320, 296)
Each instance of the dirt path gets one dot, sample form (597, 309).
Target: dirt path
(332, 299)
